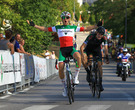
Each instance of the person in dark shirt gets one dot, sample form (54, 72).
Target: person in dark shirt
(92, 48)
(5, 44)
(17, 46)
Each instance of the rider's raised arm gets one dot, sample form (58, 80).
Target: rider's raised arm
(89, 28)
(42, 28)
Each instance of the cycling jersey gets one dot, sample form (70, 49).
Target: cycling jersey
(65, 33)
(93, 45)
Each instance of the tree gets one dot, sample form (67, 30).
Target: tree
(42, 12)
(113, 14)
(85, 15)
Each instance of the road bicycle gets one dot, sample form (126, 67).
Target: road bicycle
(95, 77)
(69, 81)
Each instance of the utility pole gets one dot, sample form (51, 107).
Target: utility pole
(74, 10)
(126, 26)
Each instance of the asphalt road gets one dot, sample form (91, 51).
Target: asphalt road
(47, 95)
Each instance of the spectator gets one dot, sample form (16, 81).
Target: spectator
(47, 54)
(21, 44)
(12, 40)
(1, 36)
(17, 46)
(5, 44)
(53, 55)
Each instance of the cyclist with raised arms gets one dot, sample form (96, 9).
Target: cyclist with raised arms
(92, 48)
(65, 33)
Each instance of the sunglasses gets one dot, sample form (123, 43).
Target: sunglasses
(65, 17)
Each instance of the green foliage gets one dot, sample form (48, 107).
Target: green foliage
(85, 15)
(42, 12)
(113, 14)
(92, 19)
(77, 11)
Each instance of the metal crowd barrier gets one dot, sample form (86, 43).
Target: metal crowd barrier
(19, 71)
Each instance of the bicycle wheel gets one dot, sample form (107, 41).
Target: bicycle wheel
(98, 83)
(72, 89)
(69, 87)
(92, 86)
(124, 75)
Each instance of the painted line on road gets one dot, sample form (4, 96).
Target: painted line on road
(132, 103)
(5, 97)
(54, 77)
(95, 107)
(41, 107)
(2, 106)
(25, 90)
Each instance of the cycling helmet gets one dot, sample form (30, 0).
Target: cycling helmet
(125, 50)
(65, 13)
(101, 30)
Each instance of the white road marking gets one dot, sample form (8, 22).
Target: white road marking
(25, 90)
(2, 106)
(40, 107)
(54, 77)
(95, 107)
(131, 103)
(5, 97)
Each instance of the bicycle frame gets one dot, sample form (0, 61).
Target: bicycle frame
(69, 80)
(96, 75)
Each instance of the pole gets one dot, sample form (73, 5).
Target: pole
(126, 26)
(74, 10)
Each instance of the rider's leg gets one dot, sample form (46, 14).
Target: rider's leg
(61, 73)
(101, 72)
(85, 63)
(89, 74)
(77, 56)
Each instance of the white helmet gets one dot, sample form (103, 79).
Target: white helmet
(125, 50)
(65, 13)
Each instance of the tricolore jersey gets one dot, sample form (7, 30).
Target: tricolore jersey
(65, 33)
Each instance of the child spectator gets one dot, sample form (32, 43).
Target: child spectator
(21, 44)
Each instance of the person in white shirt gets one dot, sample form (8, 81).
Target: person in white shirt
(47, 54)
(53, 55)
(125, 57)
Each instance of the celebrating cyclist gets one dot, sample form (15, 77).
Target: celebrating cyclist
(65, 33)
(91, 48)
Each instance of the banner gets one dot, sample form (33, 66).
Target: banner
(40, 68)
(29, 67)
(6, 68)
(22, 64)
(16, 66)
